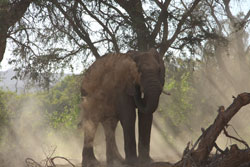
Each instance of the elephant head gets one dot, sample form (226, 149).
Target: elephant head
(152, 71)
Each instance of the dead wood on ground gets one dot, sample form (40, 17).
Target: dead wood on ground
(233, 157)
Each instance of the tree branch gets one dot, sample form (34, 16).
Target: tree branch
(162, 17)
(228, 11)
(165, 45)
(207, 142)
(135, 11)
(118, 11)
(247, 16)
(9, 15)
(83, 34)
(214, 16)
(239, 140)
(114, 41)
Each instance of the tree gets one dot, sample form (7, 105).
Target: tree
(224, 61)
(61, 104)
(53, 33)
(10, 13)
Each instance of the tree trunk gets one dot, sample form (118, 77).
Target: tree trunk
(9, 15)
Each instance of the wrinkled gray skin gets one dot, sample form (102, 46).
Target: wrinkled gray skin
(151, 67)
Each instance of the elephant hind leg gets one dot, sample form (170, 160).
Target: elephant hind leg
(112, 152)
(88, 156)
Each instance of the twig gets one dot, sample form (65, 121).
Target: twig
(48, 157)
(32, 163)
(166, 93)
(204, 132)
(239, 140)
(188, 151)
(52, 161)
(218, 148)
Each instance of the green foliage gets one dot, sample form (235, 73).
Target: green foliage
(178, 107)
(5, 111)
(57, 109)
(62, 103)
(182, 91)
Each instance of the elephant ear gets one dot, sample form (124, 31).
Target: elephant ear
(130, 90)
(157, 55)
(159, 58)
(134, 55)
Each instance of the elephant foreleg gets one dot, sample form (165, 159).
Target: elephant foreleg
(88, 156)
(128, 125)
(112, 152)
(145, 123)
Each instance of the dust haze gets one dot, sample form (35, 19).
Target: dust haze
(216, 80)
(30, 136)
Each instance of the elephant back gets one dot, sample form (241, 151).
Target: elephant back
(109, 75)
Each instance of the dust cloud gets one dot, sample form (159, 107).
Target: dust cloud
(30, 136)
(221, 79)
(216, 80)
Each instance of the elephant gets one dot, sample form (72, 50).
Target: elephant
(113, 87)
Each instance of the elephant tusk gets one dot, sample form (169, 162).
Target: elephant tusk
(142, 95)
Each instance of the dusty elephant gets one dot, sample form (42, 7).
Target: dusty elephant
(112, 89)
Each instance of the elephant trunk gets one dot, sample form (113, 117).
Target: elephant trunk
(149, 103)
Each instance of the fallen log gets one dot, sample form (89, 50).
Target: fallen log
(206, 142)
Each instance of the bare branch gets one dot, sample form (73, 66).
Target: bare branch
(135, 11)
(239, 140)
(23, 45)
(166, 93)
(114, 41)
(30, 163)
(162, 18)
(77, 27)
(58, 157)
(118, 11)
(166, 45)
(247, 16)
(10, 14)
(214, 16)
(180, 24)
(207, 142)
(228, 11)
